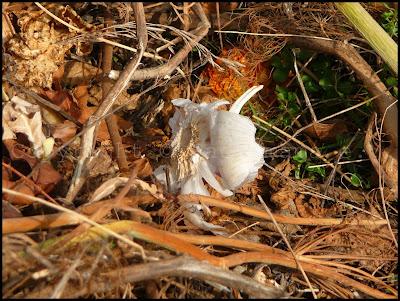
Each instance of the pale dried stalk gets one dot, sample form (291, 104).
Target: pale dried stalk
(183, 266)
(89, 137)
(303, 89)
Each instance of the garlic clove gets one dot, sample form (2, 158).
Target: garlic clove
(209, 177)
(241, 171)
(241, 101)
(193, 215)
(194, 184)
(214, 105)
(161, 176)
(182, 102)
(237, 155)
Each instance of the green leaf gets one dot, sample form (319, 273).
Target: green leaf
(311, 86)
(276, 61)
(280, 89)
(293, 109)
(297, 173)
(391, 81)
(280, 75)
(304, 55)
(291, 96)
(317, 170)
(300, 157)
(345, 87)
(325, 83)
(355, 180)
(305, 78)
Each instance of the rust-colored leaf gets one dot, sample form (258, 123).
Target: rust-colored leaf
(64, 100)
(327, 131)
(9, 211)
(46, 176)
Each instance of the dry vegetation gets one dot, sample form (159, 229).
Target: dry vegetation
(86, 92)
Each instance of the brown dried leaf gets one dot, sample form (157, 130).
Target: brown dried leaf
(79, 73)
(68, 14)
(64, 131)
(18, 151)
(64, 100)
(36, 51)
(102, 164)
(81, 95)
(327, 131)
(143, 167)
(20, 200)
(7, 30)
(46, 176)
(9, 211)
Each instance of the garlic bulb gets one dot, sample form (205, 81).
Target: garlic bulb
(207, 142)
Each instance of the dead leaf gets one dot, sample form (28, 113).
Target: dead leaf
(143, 167)
(107, 188)
(79, 73)
(64, 100)
(102, 164)
(102, 130)
(64, 131)
(111, 185)
(36, 50)
(9, 211)
(20, 200)
(46, 176)
(57, 78)
(81, 95)
(69, 14)
(327, 131)
(18, 151)
(7, 31)
(123, 124)
(16, 116)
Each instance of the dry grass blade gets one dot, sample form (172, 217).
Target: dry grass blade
(303, 89)
(79, 216)
(123, 234)
(279, 218)
(60, 287)
(289, 247)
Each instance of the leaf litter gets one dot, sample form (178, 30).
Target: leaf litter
(338, 231)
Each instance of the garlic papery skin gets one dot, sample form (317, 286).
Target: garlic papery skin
(207, 142)
(237, 155)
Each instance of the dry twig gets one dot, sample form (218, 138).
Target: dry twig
(182, 266)
(107, 103)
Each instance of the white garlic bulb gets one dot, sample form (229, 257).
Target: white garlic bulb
(207, 142)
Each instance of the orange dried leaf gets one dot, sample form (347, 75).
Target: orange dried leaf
(20, 200)
(64, 101)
